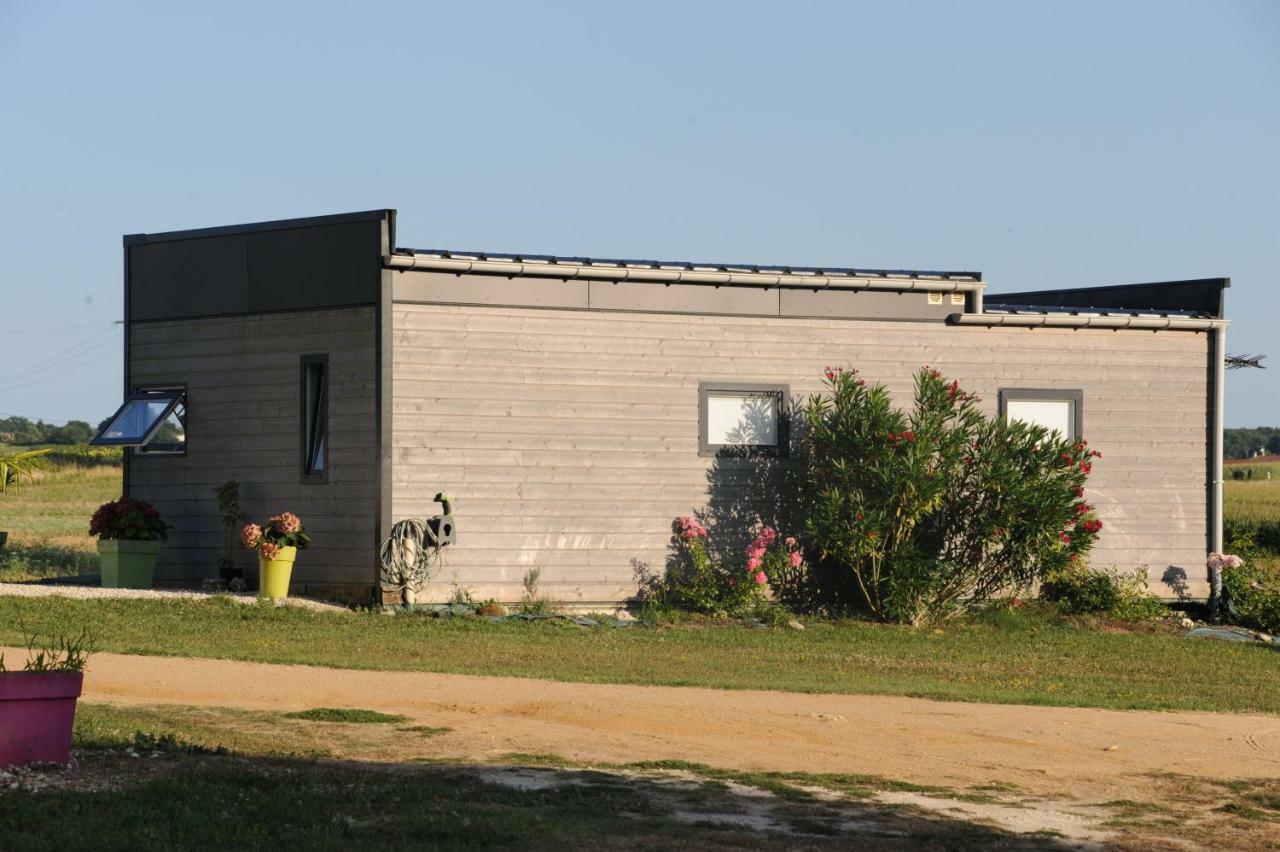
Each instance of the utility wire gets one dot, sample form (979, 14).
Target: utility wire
(96, 357)
(91, 342)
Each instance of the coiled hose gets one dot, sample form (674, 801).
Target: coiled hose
(408, 555)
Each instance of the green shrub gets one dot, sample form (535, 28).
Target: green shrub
(1250, 535)
(1078, 590)
(1253, 593)
(938, 507)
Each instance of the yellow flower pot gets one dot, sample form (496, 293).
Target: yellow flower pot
(273, 576)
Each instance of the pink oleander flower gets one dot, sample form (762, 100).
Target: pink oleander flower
(251, 535)
(796, 559)
(768, 535)
(791, 541)
(286, 522)
(761, 579)
(690, 528)
(754, 562)
(268, 551)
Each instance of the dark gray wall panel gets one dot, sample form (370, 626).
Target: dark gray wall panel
(294, 268)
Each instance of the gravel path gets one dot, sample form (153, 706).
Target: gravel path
(41, 590)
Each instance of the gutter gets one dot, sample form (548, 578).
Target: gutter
(1098, 321)
(652, 275)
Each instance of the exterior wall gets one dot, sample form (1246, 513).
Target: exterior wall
(242, 375)
(569, 438)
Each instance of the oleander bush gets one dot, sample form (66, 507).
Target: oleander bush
(939, 507)
(1252, 590)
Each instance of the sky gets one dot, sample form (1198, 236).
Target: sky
(1047, 145)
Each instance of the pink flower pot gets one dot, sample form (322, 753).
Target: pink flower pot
(37, 710)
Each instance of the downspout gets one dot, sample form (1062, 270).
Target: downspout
(1215, 474)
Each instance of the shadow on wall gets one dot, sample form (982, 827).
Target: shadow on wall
(749, 487)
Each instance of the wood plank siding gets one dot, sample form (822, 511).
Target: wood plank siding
(569, 438)
(242, 375)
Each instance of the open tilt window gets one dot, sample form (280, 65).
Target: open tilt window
(315, 417)
(152, 421)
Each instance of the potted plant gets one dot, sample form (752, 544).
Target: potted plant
(277, 543)
(129, 534)
(38, 704)
(228, 494)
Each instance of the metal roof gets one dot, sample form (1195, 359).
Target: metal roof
(694, 266)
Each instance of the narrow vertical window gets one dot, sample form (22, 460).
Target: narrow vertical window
(315, 416)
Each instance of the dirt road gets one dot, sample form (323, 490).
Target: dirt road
(1084, 753)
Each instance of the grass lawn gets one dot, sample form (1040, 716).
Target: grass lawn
(1024, 660)
(48, 522)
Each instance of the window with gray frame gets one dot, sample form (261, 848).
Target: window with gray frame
(314, 420)
(742, 419)
(153, 421)
(1056, 409)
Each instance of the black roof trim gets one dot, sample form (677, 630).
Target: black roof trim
(1199, 296)
(253, 227)
(519, 257)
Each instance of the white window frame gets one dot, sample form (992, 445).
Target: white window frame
(781, 392)
(1074, 396)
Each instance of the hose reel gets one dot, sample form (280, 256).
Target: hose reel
(414, 551)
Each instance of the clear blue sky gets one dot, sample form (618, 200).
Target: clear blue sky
(1047, 145)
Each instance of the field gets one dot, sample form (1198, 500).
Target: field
(48, 522)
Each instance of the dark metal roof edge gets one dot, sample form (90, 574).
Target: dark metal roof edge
(1225, 282)
(783, 269)
(254, 227)
(998, 306)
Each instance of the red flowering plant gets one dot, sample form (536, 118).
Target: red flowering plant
(283, 530)
(128, 519)
(938, 507)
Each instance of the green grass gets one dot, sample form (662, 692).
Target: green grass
(1027, 662)
(347, 714)
(48, 522)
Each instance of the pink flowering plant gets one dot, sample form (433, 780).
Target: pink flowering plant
(1251, 589)
(696, 581)
(938, 507)
(283, 530)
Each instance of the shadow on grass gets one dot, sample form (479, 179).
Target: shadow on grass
(173, 798)
(28, 563)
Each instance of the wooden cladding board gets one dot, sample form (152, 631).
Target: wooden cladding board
(243, 381)
(568, 438)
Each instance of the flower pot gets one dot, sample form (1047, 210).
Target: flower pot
(273, 574)
(37, 710)
(127, 564)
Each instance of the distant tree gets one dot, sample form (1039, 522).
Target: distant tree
(74, 432)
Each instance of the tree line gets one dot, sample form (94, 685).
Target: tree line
(1243, 443)
(23, 431)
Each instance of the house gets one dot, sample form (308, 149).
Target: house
(572, 407)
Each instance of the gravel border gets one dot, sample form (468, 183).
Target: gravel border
(41, 590)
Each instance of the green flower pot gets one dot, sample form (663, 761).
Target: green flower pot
(128, 564)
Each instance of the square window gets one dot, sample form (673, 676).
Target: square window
(152, 420)
(1056, 410)
(742, 419)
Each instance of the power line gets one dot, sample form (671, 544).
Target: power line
(91, 342)
(45, 378)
